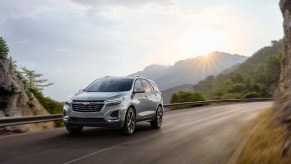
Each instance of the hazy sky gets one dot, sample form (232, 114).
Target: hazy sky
(73, 42)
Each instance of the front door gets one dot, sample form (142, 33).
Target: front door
(139, 100)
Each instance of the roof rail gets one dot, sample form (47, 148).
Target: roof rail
(140, 76)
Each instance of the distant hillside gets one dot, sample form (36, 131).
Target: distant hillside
(190, 71)
(256, 77)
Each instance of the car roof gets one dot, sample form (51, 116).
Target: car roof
(116, 77)
(125, 77)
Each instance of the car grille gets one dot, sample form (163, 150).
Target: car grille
(87, 107)
(86, 120)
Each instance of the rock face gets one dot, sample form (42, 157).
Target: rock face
(15, 101)
(284, 90)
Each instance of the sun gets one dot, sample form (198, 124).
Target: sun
(205, 42)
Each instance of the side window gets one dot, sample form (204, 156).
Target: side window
(153, 89)
(154, 86)
(146, 85)
(138, 85)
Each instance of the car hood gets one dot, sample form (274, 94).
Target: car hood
(96, 96)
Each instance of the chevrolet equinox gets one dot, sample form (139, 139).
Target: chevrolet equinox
(118, 102)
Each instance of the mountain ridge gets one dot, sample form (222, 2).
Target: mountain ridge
(190, 71)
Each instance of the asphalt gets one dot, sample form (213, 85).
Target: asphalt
(200, 135)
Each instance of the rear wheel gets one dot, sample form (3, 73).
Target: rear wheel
(129, 122)
(74, 129)
(157, 123)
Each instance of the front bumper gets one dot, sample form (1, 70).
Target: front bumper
(103, 118)
(93, 122)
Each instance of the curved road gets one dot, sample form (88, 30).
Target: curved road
(200, 135)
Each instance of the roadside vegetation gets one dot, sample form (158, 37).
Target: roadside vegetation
(185, 97)
(266, 143)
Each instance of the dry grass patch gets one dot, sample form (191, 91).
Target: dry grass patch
(265, 143)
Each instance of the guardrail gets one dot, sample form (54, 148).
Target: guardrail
(11, 121)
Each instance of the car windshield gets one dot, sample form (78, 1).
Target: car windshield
(110, 85)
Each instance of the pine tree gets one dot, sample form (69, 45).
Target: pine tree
(12, 65)
(33, 81)
(3, 49)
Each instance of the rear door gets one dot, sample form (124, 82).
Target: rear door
(150, 95)
(158, 99)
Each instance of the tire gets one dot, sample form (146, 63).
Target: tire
(157, 123)
(75, 129)
(129, 122)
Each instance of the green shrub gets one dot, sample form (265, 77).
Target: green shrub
(186, 97)
(52, 106)
(252, 95)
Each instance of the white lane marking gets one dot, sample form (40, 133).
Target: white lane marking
(89, 155)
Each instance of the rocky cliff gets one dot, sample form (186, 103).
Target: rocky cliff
(283, 96)
(16, 101)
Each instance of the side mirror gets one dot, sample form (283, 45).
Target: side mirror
(81, 90)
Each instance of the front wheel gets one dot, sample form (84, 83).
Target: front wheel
(129, 122)
(157, 123)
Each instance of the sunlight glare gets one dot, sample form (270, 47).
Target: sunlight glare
(205, 42)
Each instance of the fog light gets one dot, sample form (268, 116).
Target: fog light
(115, 114)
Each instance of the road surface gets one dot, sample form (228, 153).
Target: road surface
(208, 134)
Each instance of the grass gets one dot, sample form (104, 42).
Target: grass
(266, 143)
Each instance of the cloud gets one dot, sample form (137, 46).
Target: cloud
(124, 3)
(33, 9)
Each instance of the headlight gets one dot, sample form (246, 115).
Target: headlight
(113, 102)
(68, 102)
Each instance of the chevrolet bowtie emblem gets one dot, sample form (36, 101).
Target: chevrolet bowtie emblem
(85, 103)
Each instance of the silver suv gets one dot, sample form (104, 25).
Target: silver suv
(117, 102)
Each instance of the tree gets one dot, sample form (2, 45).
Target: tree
(268, 73)
(174, 98)
(32, 80)
(186, 97)
(238, 78)
(3, 49)
(12, 65)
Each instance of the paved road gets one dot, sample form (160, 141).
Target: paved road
(199, 135)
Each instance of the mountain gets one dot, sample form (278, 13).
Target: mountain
(151, 71)
(190, 71)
